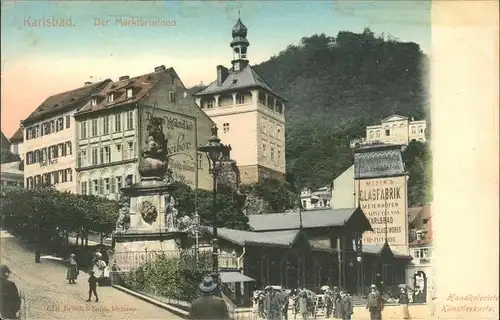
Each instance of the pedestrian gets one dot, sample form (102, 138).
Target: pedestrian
(92, 287)
(403, 302)
(346, 306)
(336, 303)
(209, 306)
(72, 272)
(10, 301)
(38, 255)
(303, 306)
(328, 302)
(374, 303)
(286, 302)
(272, 304)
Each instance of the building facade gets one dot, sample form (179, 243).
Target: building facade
(49, 138)
(16, 143)
(395, 129)
(12, 174)
(249, 114)
(112, 132)
(420, 272)
(343, 191)
(319, 199)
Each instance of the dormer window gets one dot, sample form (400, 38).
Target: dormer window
(210, 103)
(240, 99)
(130, 93)
(111, 97)
(93, 102)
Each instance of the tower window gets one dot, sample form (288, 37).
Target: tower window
(240, 99)
(226, 127)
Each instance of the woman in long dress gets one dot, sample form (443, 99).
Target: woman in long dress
(403, 302)
(72, 272)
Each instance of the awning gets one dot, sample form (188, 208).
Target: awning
(235, 276)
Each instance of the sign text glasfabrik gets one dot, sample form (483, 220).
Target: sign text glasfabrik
(383, 201)
(181, 135)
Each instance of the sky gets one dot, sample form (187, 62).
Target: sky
(40, 61)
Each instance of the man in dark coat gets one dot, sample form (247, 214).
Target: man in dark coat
(374, 303)
(346, 305)
(336, 303)
(209, 306)
(272, 304)
(10, 302)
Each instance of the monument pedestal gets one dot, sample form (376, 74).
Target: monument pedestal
(149, 233)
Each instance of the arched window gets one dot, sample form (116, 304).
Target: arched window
(378, 133)
(420, 129)
(413, 130)
(387, 131)
(371, 134)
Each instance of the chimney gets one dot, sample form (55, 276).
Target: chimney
(87, 83)
(123, 78)
(222, 73)
(160, 68)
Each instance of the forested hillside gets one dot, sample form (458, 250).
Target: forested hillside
(335, 86)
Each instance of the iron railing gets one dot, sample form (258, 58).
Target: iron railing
(191, 258)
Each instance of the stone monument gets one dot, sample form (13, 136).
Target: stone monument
(148, 218)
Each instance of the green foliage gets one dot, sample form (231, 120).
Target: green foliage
(44, 213)
(418, 161)
(6, 156)
(278, 195)
(170, 277)
(337, 86)
(229, 211)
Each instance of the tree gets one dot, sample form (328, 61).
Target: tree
(418, 162)
(277, 195)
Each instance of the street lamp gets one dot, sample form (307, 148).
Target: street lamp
(216, 153)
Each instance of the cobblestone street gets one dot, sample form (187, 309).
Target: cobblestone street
(49, 296)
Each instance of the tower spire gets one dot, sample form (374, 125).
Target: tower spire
(239, 45)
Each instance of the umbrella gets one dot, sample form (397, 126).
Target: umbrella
(324, 288)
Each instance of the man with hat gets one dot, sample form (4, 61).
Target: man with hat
(209, 306)
(10, 302)
(374, 303)
(346, 305)
(272, 304)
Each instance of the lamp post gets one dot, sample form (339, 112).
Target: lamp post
(216, 153)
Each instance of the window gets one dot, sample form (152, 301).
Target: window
(413, 130)
(420, 129)
(84, 157)
(279, 155)
(52, 126)
(94, 128)
(131, 150)
(118, 122)
(130, 120)
(63, 149)
(95, 186)
(272, 153)
(119, 182)
(44, 154)
(278, 134)
(304, 203)
(264, 150)
(419, 235)
(93, 102)
(37, 156)
(55, 177)
(171, 96)
(129, 93)
(69, 150)
(107, 186)
(240, 99)
(105, 125)
(94, 157)
(111, 97)
(37, 180)
(200, 161)
(210, 103)
(83, 130)
(101, 186)
(37, 131)
(60, 149)
(387, 131)
(64, 175)
(263, 128)
(371, 134)
(107, 155)
(378, 133)
(68, 121)
(226, 127)
(83, 188)
(59, 124)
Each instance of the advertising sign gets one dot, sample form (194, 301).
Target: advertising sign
(180, 130)
(384, 202)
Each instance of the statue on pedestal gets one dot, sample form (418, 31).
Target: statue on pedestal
(154, 162)
(124, 203)
(170, 212)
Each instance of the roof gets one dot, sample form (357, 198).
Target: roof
(234, 276)
(394, 117)
(141, 85)
(291, 220)
(12, 168)
(4, 142)
(245, 78)
(278, 238)
(413, 213)
(377, 249)
(65, 101)
(378, 161)
(18, 136)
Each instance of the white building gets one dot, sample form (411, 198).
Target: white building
(49, 134)
(395, 129)
(249, 113)
(343, 191)
(319, 199)
(112, 132)
(16, 143)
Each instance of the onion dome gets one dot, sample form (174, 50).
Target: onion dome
(239, 30)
